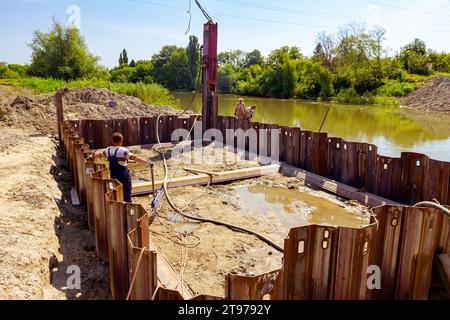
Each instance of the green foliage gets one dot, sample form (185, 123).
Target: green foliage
(350, 66)
(253, 58)
(149, 93)
(235, 58)
(124, 74)
(313, 81)
(415, 58)
(440, 61)
(7, 73)
(393, 88)
(280, 80)
(125, 57)
(227, 78)
(170, 68)
(193, 57)
(62, 54)
(249, 83)
(349, 95)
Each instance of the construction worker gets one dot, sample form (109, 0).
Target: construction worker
(239, 112)
(118, 157)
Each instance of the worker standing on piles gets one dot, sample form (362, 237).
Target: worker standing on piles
(118, 157)
(239, 112)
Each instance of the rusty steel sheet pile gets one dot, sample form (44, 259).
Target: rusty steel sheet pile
(320, 262)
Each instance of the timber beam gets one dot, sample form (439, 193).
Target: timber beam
(144, 188)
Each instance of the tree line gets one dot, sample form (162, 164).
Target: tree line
(351, 65)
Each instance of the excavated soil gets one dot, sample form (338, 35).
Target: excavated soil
(20, 109)
(434, 96)
(220, 250)
(41, 234)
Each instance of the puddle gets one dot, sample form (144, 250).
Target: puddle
(295, 208)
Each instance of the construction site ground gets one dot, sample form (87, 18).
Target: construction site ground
(41, 233)
(269, 205)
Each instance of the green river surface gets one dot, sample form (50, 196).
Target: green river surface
(392, 129)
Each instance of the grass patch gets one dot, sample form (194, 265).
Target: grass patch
(154, 94)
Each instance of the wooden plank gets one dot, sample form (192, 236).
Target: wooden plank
(338, 188)
(203, 179)
(443, 267)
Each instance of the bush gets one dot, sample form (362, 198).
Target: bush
(395, 89)
(349, 95)
(7, 73)
(125, 74)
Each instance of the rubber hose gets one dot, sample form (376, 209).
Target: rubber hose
(433, 204)
(205, 220)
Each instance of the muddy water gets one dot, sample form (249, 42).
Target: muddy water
(295, 208)
(392, 129)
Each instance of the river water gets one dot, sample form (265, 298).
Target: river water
(392, 129)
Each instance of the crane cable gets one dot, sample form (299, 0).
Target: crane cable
(207, 16)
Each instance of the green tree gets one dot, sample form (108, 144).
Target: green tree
(132, 63)
(285, 53)
(250, 81)
(226, 78)
(193, 55)
(120, 59)
(280, 80)
(236, 58)
(125, 57)
(144, 72)
(314, 80)
(170, 68)
(62, 54)
(414, 57)
(253, 58)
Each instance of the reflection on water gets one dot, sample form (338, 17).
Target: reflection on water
(392, 129)
(294, 208)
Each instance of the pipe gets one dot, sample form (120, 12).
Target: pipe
(433, 204)
(152, 170)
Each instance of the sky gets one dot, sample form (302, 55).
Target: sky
(144, 26)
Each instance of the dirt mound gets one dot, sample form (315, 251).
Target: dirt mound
(39, 112)
(41, 234)
(30, 113)
(434, 96)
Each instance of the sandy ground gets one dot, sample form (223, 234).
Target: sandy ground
(41, 234)
(221, 250)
